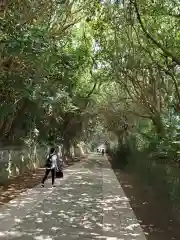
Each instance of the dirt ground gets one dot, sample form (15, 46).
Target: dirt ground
(152, 211)
(17, 185)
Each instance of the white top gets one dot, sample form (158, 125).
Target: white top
(54, 160)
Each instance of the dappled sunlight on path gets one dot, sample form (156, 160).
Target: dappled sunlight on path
(88, 204)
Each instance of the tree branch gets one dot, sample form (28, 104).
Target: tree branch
(149, 36)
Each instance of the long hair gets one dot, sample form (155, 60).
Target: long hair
(52, 150)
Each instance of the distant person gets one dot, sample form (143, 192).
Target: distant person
(51, 165)
(103, 152)
(97, 150)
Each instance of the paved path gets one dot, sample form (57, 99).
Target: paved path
(87, 204)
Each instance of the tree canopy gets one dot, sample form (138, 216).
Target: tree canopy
(80, 71)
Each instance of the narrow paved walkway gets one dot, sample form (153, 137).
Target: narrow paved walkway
(88, 204)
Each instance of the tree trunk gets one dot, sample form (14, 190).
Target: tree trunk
(67, 149)
(120, 139)
(159, 126)
(18, 118)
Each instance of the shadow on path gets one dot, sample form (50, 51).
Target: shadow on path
(88, 204)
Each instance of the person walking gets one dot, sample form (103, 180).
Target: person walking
(51, 165)
(103, 152)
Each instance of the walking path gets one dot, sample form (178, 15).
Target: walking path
(87, 204)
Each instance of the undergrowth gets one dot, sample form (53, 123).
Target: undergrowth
(156, 165)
